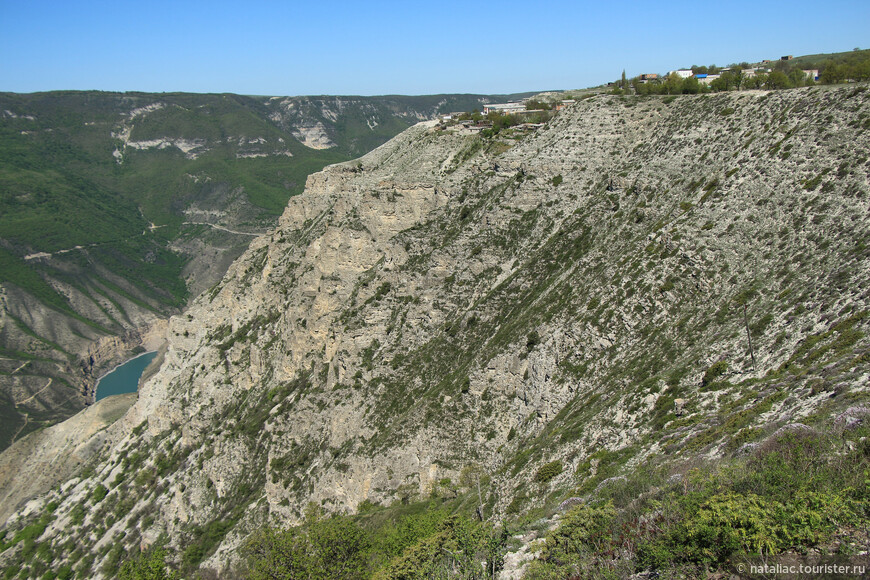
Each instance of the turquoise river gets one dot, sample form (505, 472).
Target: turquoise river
(125, 378)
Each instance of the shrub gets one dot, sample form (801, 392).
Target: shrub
(548, 471)
(732, 523)
(99, 493)
(462, 548)
(148, 566)
(795, 492)
(394, 539)
(729, 523)
(335, 548)
(205, 538)
(584, 532)
(715, 370)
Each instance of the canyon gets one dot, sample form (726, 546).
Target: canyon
(516, 318)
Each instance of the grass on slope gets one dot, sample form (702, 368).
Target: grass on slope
(799, 490)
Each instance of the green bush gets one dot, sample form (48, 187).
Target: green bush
(532, 340)
(713, 372)
(393, 539)
(148, 566)
(462, 548)
(795, 493)
(420, 545)
(330, 548)
(729, 523)
(548, 471)
(99, 493)
(205, 538)
(582, 535)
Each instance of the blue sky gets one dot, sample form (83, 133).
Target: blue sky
(385, 47)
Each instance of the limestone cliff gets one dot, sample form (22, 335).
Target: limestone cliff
(451, 303)
(117, 208)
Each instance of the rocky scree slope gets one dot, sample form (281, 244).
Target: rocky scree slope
(578, 296)
(116, 207)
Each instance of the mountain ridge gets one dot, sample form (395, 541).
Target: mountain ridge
(560, 297)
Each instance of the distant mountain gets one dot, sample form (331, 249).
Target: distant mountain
(116, 208)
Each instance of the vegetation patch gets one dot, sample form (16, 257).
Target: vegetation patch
(548, 471)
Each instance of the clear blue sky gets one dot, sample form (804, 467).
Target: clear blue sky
(384, 47)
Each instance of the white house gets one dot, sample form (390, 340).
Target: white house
(504, 108)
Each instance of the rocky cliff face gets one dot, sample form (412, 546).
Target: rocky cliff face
(118, 207)
(453, 304)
